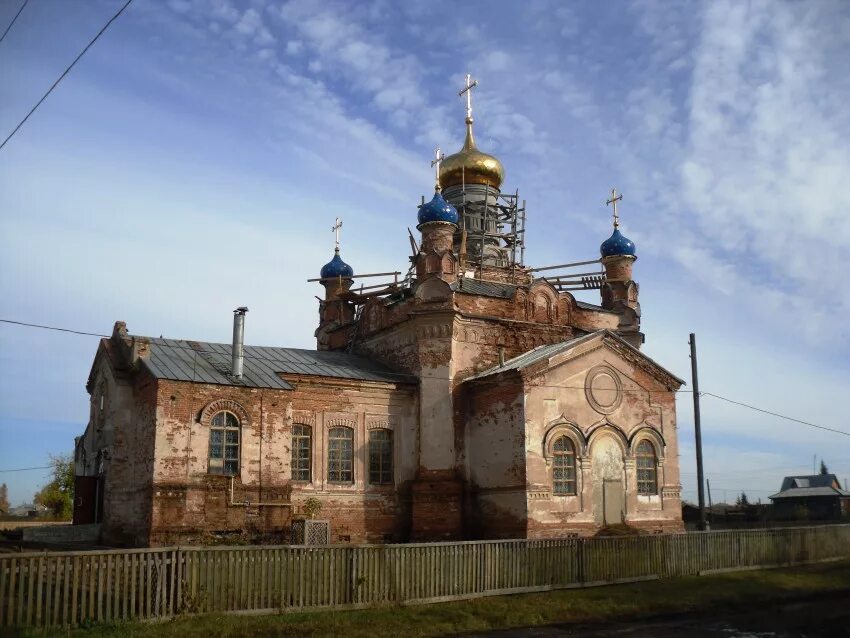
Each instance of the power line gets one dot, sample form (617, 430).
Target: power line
(248, 356)
(35, 325)
(776, 414)
(271, 360)
(2, 37)
(71, 66)
(27, 469)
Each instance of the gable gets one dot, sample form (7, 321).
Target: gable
(542, 359)
(606, 363)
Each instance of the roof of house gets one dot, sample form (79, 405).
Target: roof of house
(544, 352)
(204, 362)
(810, 485)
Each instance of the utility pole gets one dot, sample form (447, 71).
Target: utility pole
(710, 506)
(698, 432)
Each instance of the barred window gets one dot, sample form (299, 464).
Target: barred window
(564, 464)
(302, 449)
(647, 481)
(380, 457)
(341, 455)
(224, 444)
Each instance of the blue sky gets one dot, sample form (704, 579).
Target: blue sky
(194, 161)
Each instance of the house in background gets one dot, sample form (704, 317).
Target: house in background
(814, 497)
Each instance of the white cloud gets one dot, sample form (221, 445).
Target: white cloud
(294, 47)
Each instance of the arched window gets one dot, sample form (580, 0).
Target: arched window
(564, 465)
(224, 444)
(302, 452)
(341, 455)
(380, 457)
(647, 481)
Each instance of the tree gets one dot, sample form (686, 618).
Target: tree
(4, 499)
(742, 501)
(823, 468)
(58, 494)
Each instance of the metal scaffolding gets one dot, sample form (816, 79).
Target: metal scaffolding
(494, 229)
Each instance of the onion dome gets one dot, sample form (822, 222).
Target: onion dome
(471, 166)
(617, 245)
(437, 210)
(336, 267)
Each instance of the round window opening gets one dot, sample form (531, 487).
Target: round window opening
(604, 390)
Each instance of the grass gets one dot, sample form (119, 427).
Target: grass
(729, 591)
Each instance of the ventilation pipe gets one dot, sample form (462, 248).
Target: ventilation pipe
(501, 356)
(238, 341)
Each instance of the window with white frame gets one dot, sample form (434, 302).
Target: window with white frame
(302, 452)
(224, 443)
(380, 457)
(647, 479)
(341, 455)
(563, 467)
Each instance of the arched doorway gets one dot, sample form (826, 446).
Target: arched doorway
(609, 492)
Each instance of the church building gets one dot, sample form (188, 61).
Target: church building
(467, 395)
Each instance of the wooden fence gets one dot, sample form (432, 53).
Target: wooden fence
(71, 588)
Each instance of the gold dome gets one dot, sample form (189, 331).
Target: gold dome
(471, 166)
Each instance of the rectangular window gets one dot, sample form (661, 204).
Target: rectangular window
(341, 455)
(380, 457)
(301, 452)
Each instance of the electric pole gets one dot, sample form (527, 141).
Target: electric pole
(710, 506)
(697, 432)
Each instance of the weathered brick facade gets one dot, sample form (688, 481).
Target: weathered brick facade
(474, 400)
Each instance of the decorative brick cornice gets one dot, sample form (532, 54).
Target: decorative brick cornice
(378, 423)
(345, 422)
(224, 404)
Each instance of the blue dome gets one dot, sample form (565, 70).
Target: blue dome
(617, 244)
(437, 210)
(336, 267)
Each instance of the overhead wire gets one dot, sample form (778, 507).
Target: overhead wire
(776, 414)
(3, 37)
(27, 469)
(65, 72)
(256, 357)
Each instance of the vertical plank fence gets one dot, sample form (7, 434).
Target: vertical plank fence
(65, 589)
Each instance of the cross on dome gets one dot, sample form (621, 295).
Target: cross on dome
(335, 228)
(470, 83)
(614, 199)
(439, 156)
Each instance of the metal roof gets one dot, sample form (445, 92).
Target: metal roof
(800, 492)
(532, 356)
(205, 362)
(547, 351)
(809, 480)
(810, 485)
(484, 288)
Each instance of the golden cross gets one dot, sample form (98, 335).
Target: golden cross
(337, 225)
(614, 199)
(438, 158)
(468, 90)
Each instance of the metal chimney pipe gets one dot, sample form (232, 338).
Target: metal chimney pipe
(238, 341)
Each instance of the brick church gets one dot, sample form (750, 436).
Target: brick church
(472, 397)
